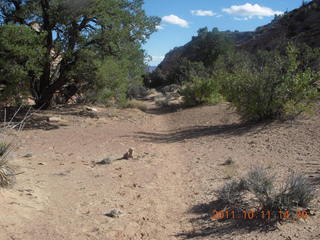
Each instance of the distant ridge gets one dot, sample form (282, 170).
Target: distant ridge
(151, 68)
(301, 25)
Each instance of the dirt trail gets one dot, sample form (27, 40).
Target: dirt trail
(166, 191)
(62, 195)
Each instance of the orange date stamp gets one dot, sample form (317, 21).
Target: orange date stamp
(258, 215)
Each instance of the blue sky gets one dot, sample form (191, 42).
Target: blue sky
(182, 18)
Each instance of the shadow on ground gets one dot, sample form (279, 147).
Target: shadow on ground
(205, 227)
(164, 110)
(13, 116)
(181, 134)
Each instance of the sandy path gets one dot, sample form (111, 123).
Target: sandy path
(62, 196)
(167, 191)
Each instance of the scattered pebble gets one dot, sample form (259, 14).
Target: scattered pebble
(115, 213)
(28, 155)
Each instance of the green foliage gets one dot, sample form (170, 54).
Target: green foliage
(199, 85)
(201, 90)
(208, 46)
(75, 35)
(203, 50)
(115, 76)
(111, 82)
(155, 79)
(185, 70)
(20, 61)
(267, 85)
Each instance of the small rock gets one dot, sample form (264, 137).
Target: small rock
(41, 164)
(105, 161)
(115, 213)
(54, 119)
(29, 155)
(91, 109)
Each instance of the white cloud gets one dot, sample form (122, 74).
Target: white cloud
(160, 27)
(173, 19)
(248, 11)
(203, 13)
(157, 58)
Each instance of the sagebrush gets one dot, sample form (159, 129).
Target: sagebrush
(258, 190)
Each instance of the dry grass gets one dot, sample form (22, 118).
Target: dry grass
(136, 104)
(257, 190)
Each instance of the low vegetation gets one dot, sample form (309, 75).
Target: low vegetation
(268, 85)
(201, 90)
(275, 84)
(6, 172)
(257, 190)
(136, 104)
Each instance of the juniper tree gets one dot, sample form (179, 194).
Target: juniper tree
(75, 34)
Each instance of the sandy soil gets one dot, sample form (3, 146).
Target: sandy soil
(166, 191)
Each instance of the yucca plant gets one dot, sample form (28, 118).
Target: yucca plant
(4, 147)
(6, 172)
(8, 144)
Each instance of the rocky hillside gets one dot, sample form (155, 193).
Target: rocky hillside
(299, 25)
(192, 49)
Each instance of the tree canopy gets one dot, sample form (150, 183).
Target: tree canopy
(70, 38)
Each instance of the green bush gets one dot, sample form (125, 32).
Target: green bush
(201, 90)
(268, 84)
(199, 84)
(113, 80)
(21, 58)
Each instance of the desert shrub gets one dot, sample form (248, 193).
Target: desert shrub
(296, 192)
(155, 79)
(135, 104)
(162, 100)
(261, 184)
(170, 88)
(268, 84)
(231, 192)
(258, 190)
(6, 172)
(137, 91)
(201, 90)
